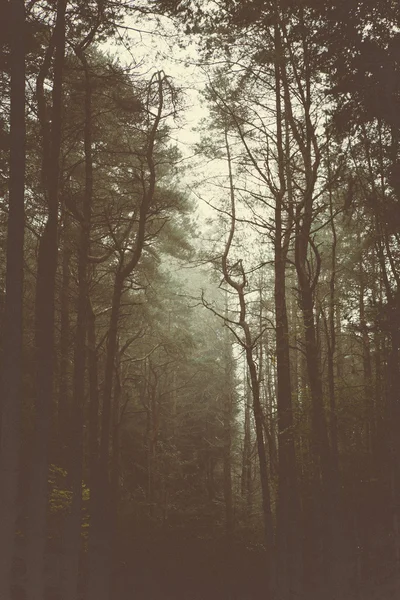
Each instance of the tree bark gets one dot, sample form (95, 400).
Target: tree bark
(99, 583)
(306, 253)
(73, 521)
(64, 397)
(393, 382)
(12, 373)
(246, 479)
(227, 440)
(100, 533)
(336, 519)
(248, 345)
(115, 472)
(288, 522)
(94, 400)
(44, 315)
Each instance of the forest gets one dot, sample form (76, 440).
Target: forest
(200, 317)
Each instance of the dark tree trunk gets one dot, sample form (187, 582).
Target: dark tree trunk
(229, 524)
(227, 436)
(288, 502)
(64, 382)
(99, 576)
(112, 344)
(115, 471)
(99, 583)
(339, 559)
(93, 395)
(93, 460)
(248, 345)
(264, 476)
(246, 480)
(308, 262)
(100, 533)
(393, 391)
(12, 374)
(367, 367)
(73, 521)
(151, 439)
(288, 506)
(44, 320)
(322, 467)
(227, 460)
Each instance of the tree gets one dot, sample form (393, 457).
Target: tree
(44, 302)
(130, 252)
(12, 338)
(72, 535)
(248, 343)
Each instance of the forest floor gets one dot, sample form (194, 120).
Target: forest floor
(181, 568)
(387, 589)
(196, 569)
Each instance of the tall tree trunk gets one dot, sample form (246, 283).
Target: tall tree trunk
(288, 501)
(264, 476)
(44, 319)
(12, 373)
(73, 521)
(151, 443)
(246, 479)
(99, 583)
(393, 379)
(115, 471)
(288, 533)
(93, 442)
(322, 467)
(100, 533)
(94, 401)
(306, 254)
(248, 345)
(336, 519)
(64, 381)
(331, 337)
(227, 439)
(367, 367)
